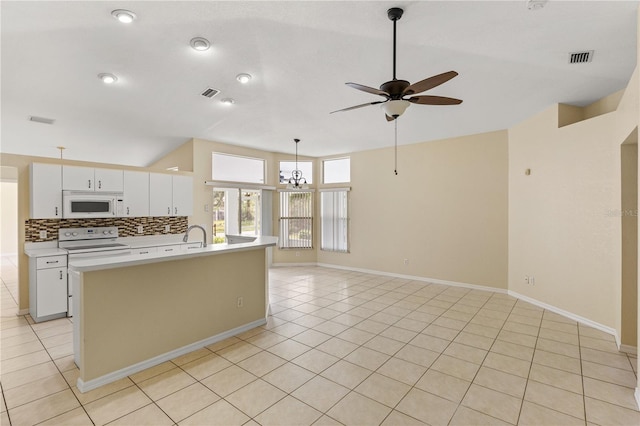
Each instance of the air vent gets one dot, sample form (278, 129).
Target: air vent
(210, 93)
(580, 57)
(42, 120)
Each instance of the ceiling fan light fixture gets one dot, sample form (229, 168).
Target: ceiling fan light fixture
(124, 16)
(395, 108)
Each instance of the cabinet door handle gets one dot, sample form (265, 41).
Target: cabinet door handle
(99, 184)
(56, 210)
(89, 183)
(127, 210)
(52, 261)
(168, 210)
(168, 249)
(175, 210)
(144, 252)
(60, 274)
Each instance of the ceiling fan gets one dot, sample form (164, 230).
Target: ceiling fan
(398, 94)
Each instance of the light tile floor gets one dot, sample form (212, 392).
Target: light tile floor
(341, 348)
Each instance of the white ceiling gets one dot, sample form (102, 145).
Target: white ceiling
(512, 62)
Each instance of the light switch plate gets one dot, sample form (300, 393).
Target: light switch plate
(43, 234)
(167, 228)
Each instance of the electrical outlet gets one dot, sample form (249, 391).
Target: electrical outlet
(240, 303)
(526, 279)
(532, 280)
(406, 261)
(43, 235)
(167, 228)
(140, 229)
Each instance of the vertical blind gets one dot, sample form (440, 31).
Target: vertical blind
(334, 221)
(296, 219)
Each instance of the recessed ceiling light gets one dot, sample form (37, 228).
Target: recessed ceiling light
(124, 16)
(228, 101)
(200, 44)
(107, 78)
(244, 78)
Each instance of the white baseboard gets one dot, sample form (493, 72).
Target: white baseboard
(22, 312)
(276, 265)
(132, 369)
(582, 320)
(578, 318)
(415, 278)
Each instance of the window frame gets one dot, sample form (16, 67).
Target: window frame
(224, 154)
(282, 242)
(324, 174)
(336, 221)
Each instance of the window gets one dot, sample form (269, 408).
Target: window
(286, 167)
(337, 170)
(236, 212)
(296, 219)
(334, 220)
(233, 168)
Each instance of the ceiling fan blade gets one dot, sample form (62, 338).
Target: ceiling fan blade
(368, 89)
(434, 100)
(429, 83)
(358, 106)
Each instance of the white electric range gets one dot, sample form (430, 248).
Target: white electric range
(84, 243)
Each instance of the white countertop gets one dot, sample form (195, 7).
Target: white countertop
(95, 264)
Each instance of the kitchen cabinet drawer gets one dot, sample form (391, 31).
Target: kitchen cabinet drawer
(173, 248)
(144, 250)
(51, 262)
(191, 246)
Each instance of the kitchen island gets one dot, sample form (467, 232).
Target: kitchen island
(133, 312)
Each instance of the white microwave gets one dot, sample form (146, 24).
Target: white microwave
(82, 205)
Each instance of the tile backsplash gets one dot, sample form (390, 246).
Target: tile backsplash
(127, 226)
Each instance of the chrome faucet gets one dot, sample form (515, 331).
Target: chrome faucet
(204, 236)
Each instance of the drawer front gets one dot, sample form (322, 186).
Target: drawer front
(144, 250)
(173, 248)
(51, 262)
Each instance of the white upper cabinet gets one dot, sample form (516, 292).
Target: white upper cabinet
(170, 195)
(136, 194)
(109, 180)
(75, 178)
(46, 191)
(160, 194)
(182, 195)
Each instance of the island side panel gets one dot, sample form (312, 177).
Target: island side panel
(135, 313)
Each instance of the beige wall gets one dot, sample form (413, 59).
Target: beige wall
(445, 211)
(563, 229)
(21, 163)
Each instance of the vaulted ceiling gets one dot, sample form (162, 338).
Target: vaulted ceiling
(512, 62)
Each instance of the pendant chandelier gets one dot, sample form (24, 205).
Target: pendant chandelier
(296, 181)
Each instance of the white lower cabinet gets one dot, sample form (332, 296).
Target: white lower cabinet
(48, 291)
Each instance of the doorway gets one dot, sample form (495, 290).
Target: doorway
(9, 240)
